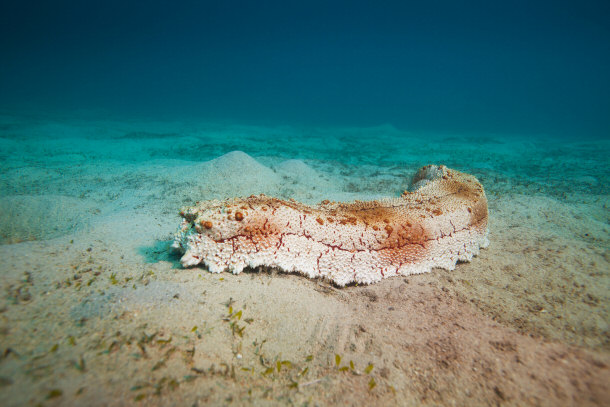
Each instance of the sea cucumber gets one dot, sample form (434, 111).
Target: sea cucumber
(441, 220)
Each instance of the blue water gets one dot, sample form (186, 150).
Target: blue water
(528, 67)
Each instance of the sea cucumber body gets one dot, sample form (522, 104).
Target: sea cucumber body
(443, 220)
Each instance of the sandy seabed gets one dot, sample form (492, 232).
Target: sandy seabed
(95, 310)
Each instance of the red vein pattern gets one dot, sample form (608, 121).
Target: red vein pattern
(440, 221)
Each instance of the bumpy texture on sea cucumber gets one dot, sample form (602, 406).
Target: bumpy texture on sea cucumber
(440, 221)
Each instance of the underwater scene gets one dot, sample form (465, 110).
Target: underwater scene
(305, 203)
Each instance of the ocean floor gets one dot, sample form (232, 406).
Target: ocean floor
(95, 309)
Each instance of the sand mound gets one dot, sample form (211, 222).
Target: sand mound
(28, 217)
(299, 172)
(305, 184)
(236, 174)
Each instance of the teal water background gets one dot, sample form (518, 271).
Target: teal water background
(522, 67)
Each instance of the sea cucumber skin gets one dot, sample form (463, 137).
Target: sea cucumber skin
(443, 220)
